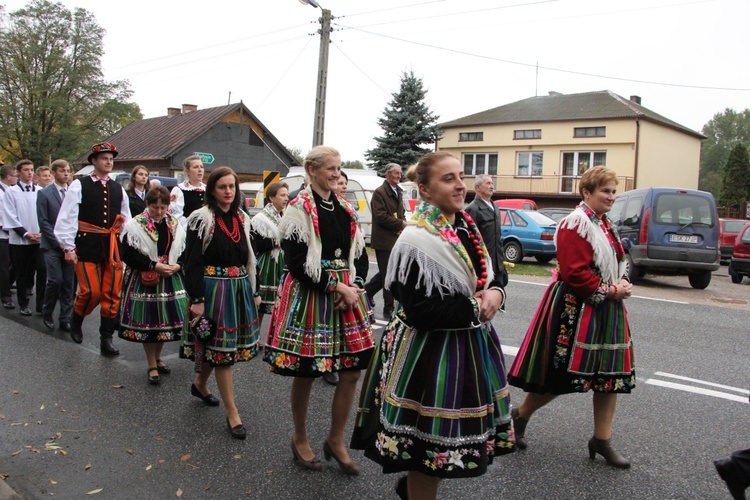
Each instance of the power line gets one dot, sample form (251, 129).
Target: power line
(360, 69)
(559, 70)
(422, 18)
(391, 8)
(284, 75)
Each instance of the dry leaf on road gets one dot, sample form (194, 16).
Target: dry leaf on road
(179, 492)
(130, 452)
(94, 492)
(88, 466)
(185, 457)
(118, 386)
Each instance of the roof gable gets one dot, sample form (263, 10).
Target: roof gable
(599, 105)
(161, 137)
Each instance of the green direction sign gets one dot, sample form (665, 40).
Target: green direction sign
(206, 158)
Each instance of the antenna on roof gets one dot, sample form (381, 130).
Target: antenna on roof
(536, 82)
(229, 99)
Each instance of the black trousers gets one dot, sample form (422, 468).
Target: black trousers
(26, 260)
(6, 272)
(376, 283)
(741, 463)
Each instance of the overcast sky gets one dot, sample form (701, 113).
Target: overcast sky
(687, 59)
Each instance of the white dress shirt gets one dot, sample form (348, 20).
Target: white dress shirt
(19, 211)
(66, 226)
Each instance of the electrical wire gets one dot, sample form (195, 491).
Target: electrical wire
(391, 8)
(278, 82)
(549, 68)
(360, 69)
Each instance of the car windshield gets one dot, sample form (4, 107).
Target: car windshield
(540, 219)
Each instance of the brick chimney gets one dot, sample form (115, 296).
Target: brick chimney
(173, 112)
(187, 108)
(636, 99)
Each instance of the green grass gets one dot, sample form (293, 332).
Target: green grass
(531, 269)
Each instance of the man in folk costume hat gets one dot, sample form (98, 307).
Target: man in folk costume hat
(88, 228)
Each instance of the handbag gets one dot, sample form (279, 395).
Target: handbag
(149, 278)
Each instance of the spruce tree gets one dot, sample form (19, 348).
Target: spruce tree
(407, 124)
(736, 185)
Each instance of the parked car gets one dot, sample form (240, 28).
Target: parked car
(521, 203)
(728, 231)
(556, 213)
(527, 233)
(669, 230)
(739, 266)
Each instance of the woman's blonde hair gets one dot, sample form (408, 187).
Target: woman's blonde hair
(596, 177)
(316, 157)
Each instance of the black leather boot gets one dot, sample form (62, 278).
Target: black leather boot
(519, 429)
(106, 330)
(604, 448)
(76, 332)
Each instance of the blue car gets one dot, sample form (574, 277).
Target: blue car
(527, 233)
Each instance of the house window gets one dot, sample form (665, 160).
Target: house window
(480, 163)
(527, 134)
(470, 136)
(575, 163)
(529, 163)
(589, 131)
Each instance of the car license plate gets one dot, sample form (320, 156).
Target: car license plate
(683, 238)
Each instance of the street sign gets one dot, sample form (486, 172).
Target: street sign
(206, 158)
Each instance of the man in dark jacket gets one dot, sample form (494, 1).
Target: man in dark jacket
(388, 220)
(487, 217)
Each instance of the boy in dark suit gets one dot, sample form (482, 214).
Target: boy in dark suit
(59, 275)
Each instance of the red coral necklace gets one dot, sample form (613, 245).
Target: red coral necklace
(482, 272)
(234, 234)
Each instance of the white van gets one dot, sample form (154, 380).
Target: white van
(362, 183)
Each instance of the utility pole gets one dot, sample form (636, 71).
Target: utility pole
(320, 94)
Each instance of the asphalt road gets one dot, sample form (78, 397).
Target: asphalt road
(132, 440)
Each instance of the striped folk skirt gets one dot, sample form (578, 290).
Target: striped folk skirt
(309, 337)
(152, 313)
(269, 277)
(575, 346)
(436, 402)
(230, 307)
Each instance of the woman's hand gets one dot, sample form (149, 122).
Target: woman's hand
(257, 301)
(348, 296)
(196, 313)
(166, 269)
(623, 290)
(489, 302)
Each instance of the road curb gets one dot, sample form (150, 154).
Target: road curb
(7, 493)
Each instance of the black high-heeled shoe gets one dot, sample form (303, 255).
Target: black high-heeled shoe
(346, 467)
(238, 431)
(604, 448)
(208, 400)
(519, 429)
(313, 464)
(163, 368)
(153, 380)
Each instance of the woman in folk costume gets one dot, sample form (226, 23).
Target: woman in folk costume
(220, 280)
(435, 401)
(264, 228)
(321, 323)
(579, 338)
(153, 313)
(189, 195)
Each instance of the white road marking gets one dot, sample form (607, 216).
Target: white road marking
(634, 296)
(712, 384)
(697, 390)
(509, 350)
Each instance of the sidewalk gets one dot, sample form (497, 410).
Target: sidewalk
(7, 493)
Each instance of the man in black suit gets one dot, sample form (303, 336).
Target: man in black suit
(60, 276)
(487, 217)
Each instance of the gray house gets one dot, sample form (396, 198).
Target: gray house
(227, 135)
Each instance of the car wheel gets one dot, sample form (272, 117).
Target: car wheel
(736, 278)
(634, 272)
(699, 279)
(513, 252)
(543, 259)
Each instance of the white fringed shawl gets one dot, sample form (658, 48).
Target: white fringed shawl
(605, 259)
(136, 235)
(430, 243)
(266, 224)
(300, 221)
(203, 220)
